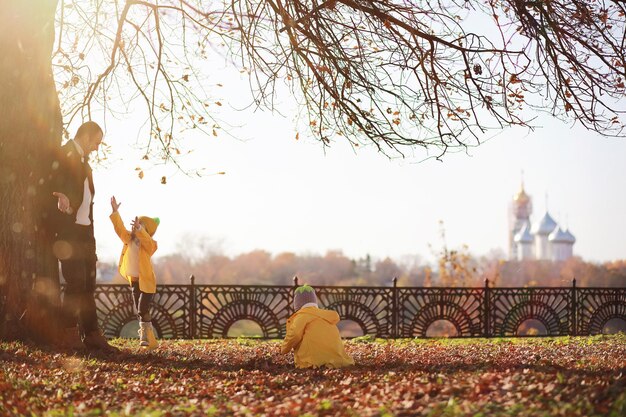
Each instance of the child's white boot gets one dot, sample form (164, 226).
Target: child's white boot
(143, 334)
(146, 335)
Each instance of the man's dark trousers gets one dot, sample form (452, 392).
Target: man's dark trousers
(79, 271)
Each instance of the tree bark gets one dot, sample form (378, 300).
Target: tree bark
(30, 134)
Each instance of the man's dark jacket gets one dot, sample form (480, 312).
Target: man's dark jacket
(70, 175)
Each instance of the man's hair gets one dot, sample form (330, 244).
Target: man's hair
(88, 129)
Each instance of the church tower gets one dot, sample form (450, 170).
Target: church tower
(519, 215)
(545, 240)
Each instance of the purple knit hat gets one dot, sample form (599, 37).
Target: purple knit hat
(303, 295)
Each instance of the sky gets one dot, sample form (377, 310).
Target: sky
(281, 194)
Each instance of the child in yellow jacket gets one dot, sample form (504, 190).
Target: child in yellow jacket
(136, 267)
(313, 334)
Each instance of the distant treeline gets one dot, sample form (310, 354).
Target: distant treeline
(452, 268)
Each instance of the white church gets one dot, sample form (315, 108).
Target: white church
(544, 239)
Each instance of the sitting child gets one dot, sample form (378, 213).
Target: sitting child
(136, 267)
(313, 335)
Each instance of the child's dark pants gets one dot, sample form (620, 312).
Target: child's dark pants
(142, 301)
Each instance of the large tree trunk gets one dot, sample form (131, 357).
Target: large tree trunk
(30, 131)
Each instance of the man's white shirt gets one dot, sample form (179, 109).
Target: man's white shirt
(82, 214)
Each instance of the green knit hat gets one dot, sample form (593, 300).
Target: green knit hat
(303, 295)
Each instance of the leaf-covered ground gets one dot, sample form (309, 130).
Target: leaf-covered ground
(583, 376)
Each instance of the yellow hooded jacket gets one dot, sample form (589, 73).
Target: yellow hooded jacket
(313, 335)
(147, 279)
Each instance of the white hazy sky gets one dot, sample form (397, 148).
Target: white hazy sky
(282, 194)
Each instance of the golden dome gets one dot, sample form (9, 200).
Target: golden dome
(521, 196)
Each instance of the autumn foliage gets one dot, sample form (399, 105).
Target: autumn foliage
(454, 268)
(499, 377)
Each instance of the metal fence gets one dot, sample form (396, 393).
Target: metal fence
(209, 311)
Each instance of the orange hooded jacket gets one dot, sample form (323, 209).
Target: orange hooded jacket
(147, 279)
(313, 335)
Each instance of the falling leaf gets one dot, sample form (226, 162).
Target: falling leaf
(140, 175)
(163, 180)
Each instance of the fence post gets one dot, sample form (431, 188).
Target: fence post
(394, 310)
(574, 315)
(290, 295)
(192, 306)
(487, 307)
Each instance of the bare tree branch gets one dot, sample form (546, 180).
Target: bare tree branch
(388, 73)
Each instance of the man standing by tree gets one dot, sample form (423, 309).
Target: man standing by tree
(75, 245)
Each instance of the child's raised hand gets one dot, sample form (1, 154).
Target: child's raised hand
(114, 204)
(135, 224)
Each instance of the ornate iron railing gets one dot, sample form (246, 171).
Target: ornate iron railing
(209, 311)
